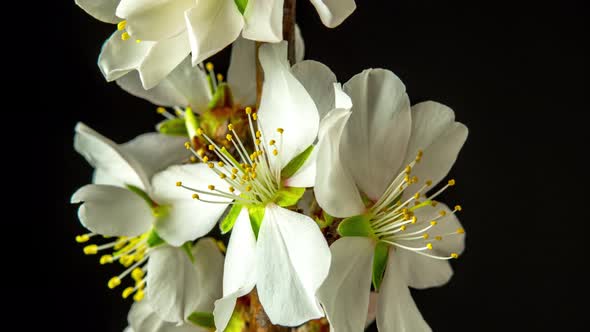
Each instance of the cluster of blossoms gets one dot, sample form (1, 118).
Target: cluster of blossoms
(325, 189)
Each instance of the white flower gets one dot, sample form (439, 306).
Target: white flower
(123, 203)
(155, 36)
(281, 252)
(374, 165)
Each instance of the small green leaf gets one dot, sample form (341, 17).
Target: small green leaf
(139, 192)
(356, 226)
(295, 164)
(191, 122)
(187, 247)
(176, 127)
(256, 213)
(230, 218)
(288, 196)
(154, 239)
(202, 319)
(379, 263)
(241, 5)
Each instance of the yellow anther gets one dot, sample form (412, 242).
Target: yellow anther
(195, 196)
(442, 213)
(221, 246)
(187, 145)
(425, 236)
(128, 291)
(234, 170)
(228, 137)
(416, 195)
(406, 178)
(199, 132)
(137, 274)
(125, 36)
(414, 179)
(245, 177)
(451, 182)
(232, 189)
(233, 176)
(454, 255)
(222, 176)
(460, 231)
(106, 259)
(429, 246)
(201, 153)
(121, 25)
(419, 156)
(138, 295)
(219, 77)
(433, 223)
(211, 187)
(258, 134)
(408, 169)
(82, 238)
(91, 249)
(248, 110)
(120, 243)
(249, 188)
(205, 159)
(192, 159)
(258, 141)
(230, 126)
(254, 116)
(209, 66)
(138, 41)
(272, 142)
(211, 165)
(403, 227)
(161, 110)
(114, 282)
(253, 175)
(275, 152)
(414, 219)
(126, 260)
(458, 208)
(178, 183)
(438, 237)
(434, 203)
(429, 183)
(280, 130)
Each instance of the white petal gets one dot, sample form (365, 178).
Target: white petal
(162, 58)
(345, 293)
(118, 57)
(285, 104)
(112, 211)
(176, 287)
(305, 176)
(142, 318)
(239, 275)
(156, 152)
(334, 189)
(319, 81)
(396, 310)
(299, 45)
(434, 131)
(422, 272)
(187, 218)
(448, 224)
(186, 85)
(212, 25)
(103, 10)
(154, 20)
(293, 261)
(264, 20)
(376, 136)
(106, 155)
(333, 12)
(241, 75)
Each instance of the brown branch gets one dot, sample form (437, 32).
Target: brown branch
(289, 27)
(259, 76)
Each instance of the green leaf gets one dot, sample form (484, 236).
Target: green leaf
(187, 247)
(356, 226)
(154, 239)
(202, 319)
(139, 192)
(241, 5)
(379, 263)
(176, 127)
(256, 213)
(295, 164)
(288, 196)
(191, 122)
(230, 218)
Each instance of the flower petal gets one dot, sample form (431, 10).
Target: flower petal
(396, 310)
(142, 318)
(241, 75)
(375, 140)
(187, 218)
(319, 81)
(112, 211)
(299, 45)
(264, 20)
(176, 287)
(434, 131)
(285, 104)
(154, 20)
(102, 10)
(345, 293)
(162, 58)
(305, 176)
(186, 85)
(334, 189)
(106, 155)
(334, 12)
(293, 260)
(445, 225)
(118, 57)
(212, 25)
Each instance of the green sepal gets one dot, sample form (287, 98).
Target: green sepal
(325, 221)
(241, 5)
(295, 164)
(256, 213)
(230, 218)
(187, 247)
(139, 192)
(379, 263)
(174, 127)
(191, 122)
(423, 204)
(356, 226)
(233, 160)
(202, 319)
(288, 196)
(237, 323)
(154, 239)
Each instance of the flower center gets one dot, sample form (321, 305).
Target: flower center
(394, 221)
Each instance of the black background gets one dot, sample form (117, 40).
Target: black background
(515, 75)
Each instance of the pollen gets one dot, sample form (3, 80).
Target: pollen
(106, 259)
(460, 231)
(458, 208)
(230, 126)
(232, 189)
(438, 238)
(195, 196)
(211, 165)
(199, 132)
(121, 25)
(254, 116)
(128, 291)
(228, 137)
(425, 236)
(222, 176)
(403, 227)
(114, 282)
(429, 246)
(178, 183)
(161, 110)
(433, 223)
(139, 295)
(451, 182)
(280, 130)
(91, 249)
(125, 36)
(454, 255)
(137, 274)
(209, 66)
(219, 77)
(248, 110)
(275, 152)
(187, 145)
(193, 159)
(82, 238)
(205, 159)
(211, 147)
(428, 183)
(272, 142)
(211, 187)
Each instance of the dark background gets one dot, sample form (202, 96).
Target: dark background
(515, 75)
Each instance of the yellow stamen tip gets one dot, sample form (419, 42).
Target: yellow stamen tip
(222, 176)
(137, 274)
(114, 282)
(429, 183)
(128, 291)
(429, 246)
(416, 195)
(138, 295)
(254, 116)
(433, 223)
(195, 196)
(248, 110)
(106, 259)
(414, 219)
(458, 207)
(82, 238)
(425, 236)
(91, 249)
(249, 188)
(272, 142)
(219, 77)
(211, 187)
(161, 110)
(201, 153)
(121, 25)
(451, 182)
(199, 132)
(228, 137)
(178, 183)
(443, 213)
(209, 66)
(275, 152)
(192, 159)
(454, 255)
(211, 165)
(211, 147)
(230, 126)
(438, 238)
(234, 170)
(460, 231)
(205, 159)
(125, 36)
(280, 130)
(403, 227)
(187, 145)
